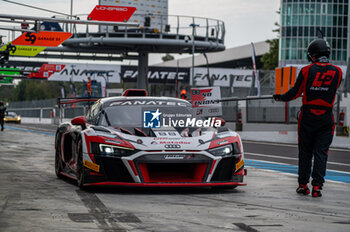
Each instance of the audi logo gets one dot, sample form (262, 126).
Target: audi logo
(172, 146)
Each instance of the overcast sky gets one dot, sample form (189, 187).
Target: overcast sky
(245, 20)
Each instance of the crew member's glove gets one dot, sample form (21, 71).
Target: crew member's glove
(277, 97)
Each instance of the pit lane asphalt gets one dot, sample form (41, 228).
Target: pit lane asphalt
(338, 159)
(33, 199)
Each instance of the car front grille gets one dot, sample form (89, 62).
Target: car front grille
(173, 172)
(173, 167)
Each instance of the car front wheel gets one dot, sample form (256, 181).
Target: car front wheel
(58, 160)
(80, 167)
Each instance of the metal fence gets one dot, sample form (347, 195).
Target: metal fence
(230, 111)
(32, 112)
(45, 109)
(69, 112)
(33, 104)
(269, 111)
(257, 111)
(57, 115)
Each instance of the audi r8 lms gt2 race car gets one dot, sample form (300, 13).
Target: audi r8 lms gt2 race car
(148, 141)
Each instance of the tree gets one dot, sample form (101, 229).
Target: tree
(27, 90)
(270, 59)
(6, 93)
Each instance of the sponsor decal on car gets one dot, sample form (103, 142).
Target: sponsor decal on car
(239, 164)
(177, 157)
(148, 103)
(174, 142)
(92, 166)
(172, 146)
(222, 142)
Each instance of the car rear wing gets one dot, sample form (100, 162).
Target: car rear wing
(62, 102)
(73, 100)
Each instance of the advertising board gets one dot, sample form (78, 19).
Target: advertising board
(160, 75)
(151, 8)
(206, 100)
(223, 77)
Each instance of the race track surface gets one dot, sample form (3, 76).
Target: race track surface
(33, 199)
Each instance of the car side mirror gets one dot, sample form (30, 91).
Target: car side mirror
(222, 121)
(79, 121)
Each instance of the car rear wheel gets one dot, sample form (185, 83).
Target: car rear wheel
(80, 167)
(58, 159)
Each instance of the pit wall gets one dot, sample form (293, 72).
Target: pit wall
(279, 133)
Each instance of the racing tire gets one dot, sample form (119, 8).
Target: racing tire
(58, 161)
(80, 167)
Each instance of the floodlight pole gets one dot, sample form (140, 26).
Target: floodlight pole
(193, 25)
(142, 77)
(193, 49)
(208, 73)
(71, 14)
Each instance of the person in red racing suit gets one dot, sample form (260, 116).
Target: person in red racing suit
(2, 115)
(317, 83)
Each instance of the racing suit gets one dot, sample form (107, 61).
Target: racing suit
(318, 83)
(2, 115)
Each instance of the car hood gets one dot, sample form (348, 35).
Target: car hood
(168, 138)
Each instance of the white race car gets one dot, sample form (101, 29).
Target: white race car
(148, 141)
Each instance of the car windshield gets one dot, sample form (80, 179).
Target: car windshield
(11, 114)
(136, 116)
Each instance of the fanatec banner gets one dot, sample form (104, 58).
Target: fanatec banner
(114, 73)
(223, 77)
(80, 72)
(157, 75)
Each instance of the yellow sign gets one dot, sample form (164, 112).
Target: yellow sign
(19, 50)
(92, 166)
(239, 164)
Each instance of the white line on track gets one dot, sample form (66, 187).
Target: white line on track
(290, 158)
(291, 174)
(289, 145)
(272, 162)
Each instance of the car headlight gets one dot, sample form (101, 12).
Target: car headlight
(225, 150)
(111, 150)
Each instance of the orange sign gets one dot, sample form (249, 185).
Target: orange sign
(284, 79)
(42, 38)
